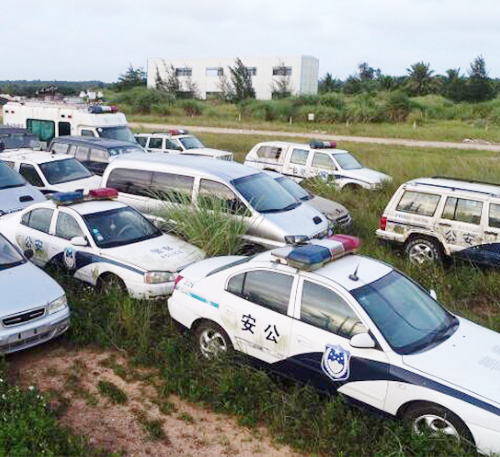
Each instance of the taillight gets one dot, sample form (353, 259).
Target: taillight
(178, 280)
(382, 223)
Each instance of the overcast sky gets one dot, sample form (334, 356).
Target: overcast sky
(97, 39)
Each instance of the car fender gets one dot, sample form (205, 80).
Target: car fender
(429, 234)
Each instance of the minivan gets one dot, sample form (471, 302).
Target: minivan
(271, 213)
(94, 153)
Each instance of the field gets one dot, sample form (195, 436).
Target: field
(295, 415)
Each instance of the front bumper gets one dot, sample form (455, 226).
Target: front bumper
(17, 338)
(141, 290)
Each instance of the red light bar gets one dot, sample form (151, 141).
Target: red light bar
(318, 144)
(177, 132)
(350, 243)
(103, 194)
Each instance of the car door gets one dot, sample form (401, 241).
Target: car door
(296, 165)
(322, 165)
(33, 233)
(320, 352)
(134, 187)
(98, 160)
(256, 306)
(460, 224)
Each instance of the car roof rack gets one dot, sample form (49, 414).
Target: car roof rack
(463, 188)
(474, 181)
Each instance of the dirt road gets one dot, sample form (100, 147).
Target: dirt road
(356, 139)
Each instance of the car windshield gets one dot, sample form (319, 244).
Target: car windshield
(191, 142)
(66, 170)
(9, 178)
(122, 133)
(9, 257)
(124, 150)
(347, 162)
(265, 194)
(295, 189)
(407, 316)
(119, 227)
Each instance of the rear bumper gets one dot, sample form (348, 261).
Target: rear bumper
(33, 333)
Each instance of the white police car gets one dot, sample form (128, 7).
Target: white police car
(350, 324)
(101, 242)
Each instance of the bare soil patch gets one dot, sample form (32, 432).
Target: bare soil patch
(120, 408)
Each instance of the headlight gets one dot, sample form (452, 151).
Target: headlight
(156, 277)
(57, 305)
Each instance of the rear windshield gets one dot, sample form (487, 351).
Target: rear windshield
(66, 170)
(124, 150)
(9, 178)
(116, 133)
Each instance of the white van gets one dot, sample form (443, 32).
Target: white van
(318, 158)
(271, 213)
(52, 119)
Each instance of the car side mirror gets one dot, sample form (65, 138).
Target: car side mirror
(433, 294)
(28, 253)
(362, 341)
(79, 241)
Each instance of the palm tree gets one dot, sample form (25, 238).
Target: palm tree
(420, 81)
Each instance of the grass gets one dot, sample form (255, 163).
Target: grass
(112, 392)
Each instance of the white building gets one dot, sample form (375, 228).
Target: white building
(300, 71)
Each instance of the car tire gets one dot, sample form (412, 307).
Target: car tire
(110, 283)
(436, 420)
(212, 340)
(422, 251)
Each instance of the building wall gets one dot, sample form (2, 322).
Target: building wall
(303, 80)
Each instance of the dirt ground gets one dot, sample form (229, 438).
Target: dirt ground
(118, 408)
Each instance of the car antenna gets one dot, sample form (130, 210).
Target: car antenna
(354, 276)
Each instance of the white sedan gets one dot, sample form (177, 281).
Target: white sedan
(350, 324)
(102, 242)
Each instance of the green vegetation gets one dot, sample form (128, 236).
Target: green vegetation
(112, 392)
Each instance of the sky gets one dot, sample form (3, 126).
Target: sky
(98, 39)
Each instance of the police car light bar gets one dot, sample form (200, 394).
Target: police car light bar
(177, 132)
(312, 256)
(105, 193)
(67, 198)
(318, 144)
(99, 109)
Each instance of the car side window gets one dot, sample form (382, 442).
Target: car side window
(322, 160)
(173, 187)
(494, 216)
(269, 152)
(29, 173)
(141, 140)
(265, 288)
(99, 155)
(72, 150)
(325, 309)
(86, 132)
(169, 144)
(418, 203)
(67, 227)
(82, 153)
(459, 209)
(59, 148)
(214, 193)
(135, 182)
(155, 143)
(38, 219)
(299, 156)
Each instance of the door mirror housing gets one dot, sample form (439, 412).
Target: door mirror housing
(362, 341)
(433, 294)
(79, 241)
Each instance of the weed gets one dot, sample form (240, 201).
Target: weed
(186, 417)
(112, 392)
(153, 427)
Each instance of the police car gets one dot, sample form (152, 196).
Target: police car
(102, 242)
(351, 324)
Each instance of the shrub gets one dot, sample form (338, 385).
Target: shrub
(333, 100)
(398, 106)
(191, 107)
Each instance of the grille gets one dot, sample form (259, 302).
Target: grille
(343, 220)
(24, 317)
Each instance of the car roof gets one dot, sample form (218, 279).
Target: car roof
(96, 141)
(223, 169)
(86, 207)
(29, 155)
(8, 130)
(284, 144)
(457, 185)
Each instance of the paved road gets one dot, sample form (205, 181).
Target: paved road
(355, 139)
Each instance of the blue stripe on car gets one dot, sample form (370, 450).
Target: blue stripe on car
(83, 259)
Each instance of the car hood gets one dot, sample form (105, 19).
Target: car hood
(368, 175)
(94, 182)
(207, 152)
(329, 208)
(17, 198)
(164, 253)
(16, 297)
(469, 359)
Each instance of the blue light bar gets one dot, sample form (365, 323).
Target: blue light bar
(66, 198)
(309, 254)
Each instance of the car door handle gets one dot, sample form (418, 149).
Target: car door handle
(445, 224)
(304, 342)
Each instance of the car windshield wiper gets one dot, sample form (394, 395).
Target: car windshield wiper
(444, 333)
(279, 210)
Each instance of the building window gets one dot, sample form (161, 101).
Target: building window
(184, 71)
(282, 71)
(252, 71)
(215, 71)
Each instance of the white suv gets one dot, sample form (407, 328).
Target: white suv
(318, 158)
(436, 217)
(179, 142)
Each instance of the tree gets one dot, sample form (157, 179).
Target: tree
(133, 77)
(281, 86)
(367, 73)
(420, 81)
(241, 80)
(454, 85)
(171, 83)
(329, 84)
(479, 87)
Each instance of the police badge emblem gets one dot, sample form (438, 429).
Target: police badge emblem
(335, 362)
(69, 258)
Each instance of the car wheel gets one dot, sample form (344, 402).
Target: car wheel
(110, 284)
(436, 420)
(423, 251)
(212, 340)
